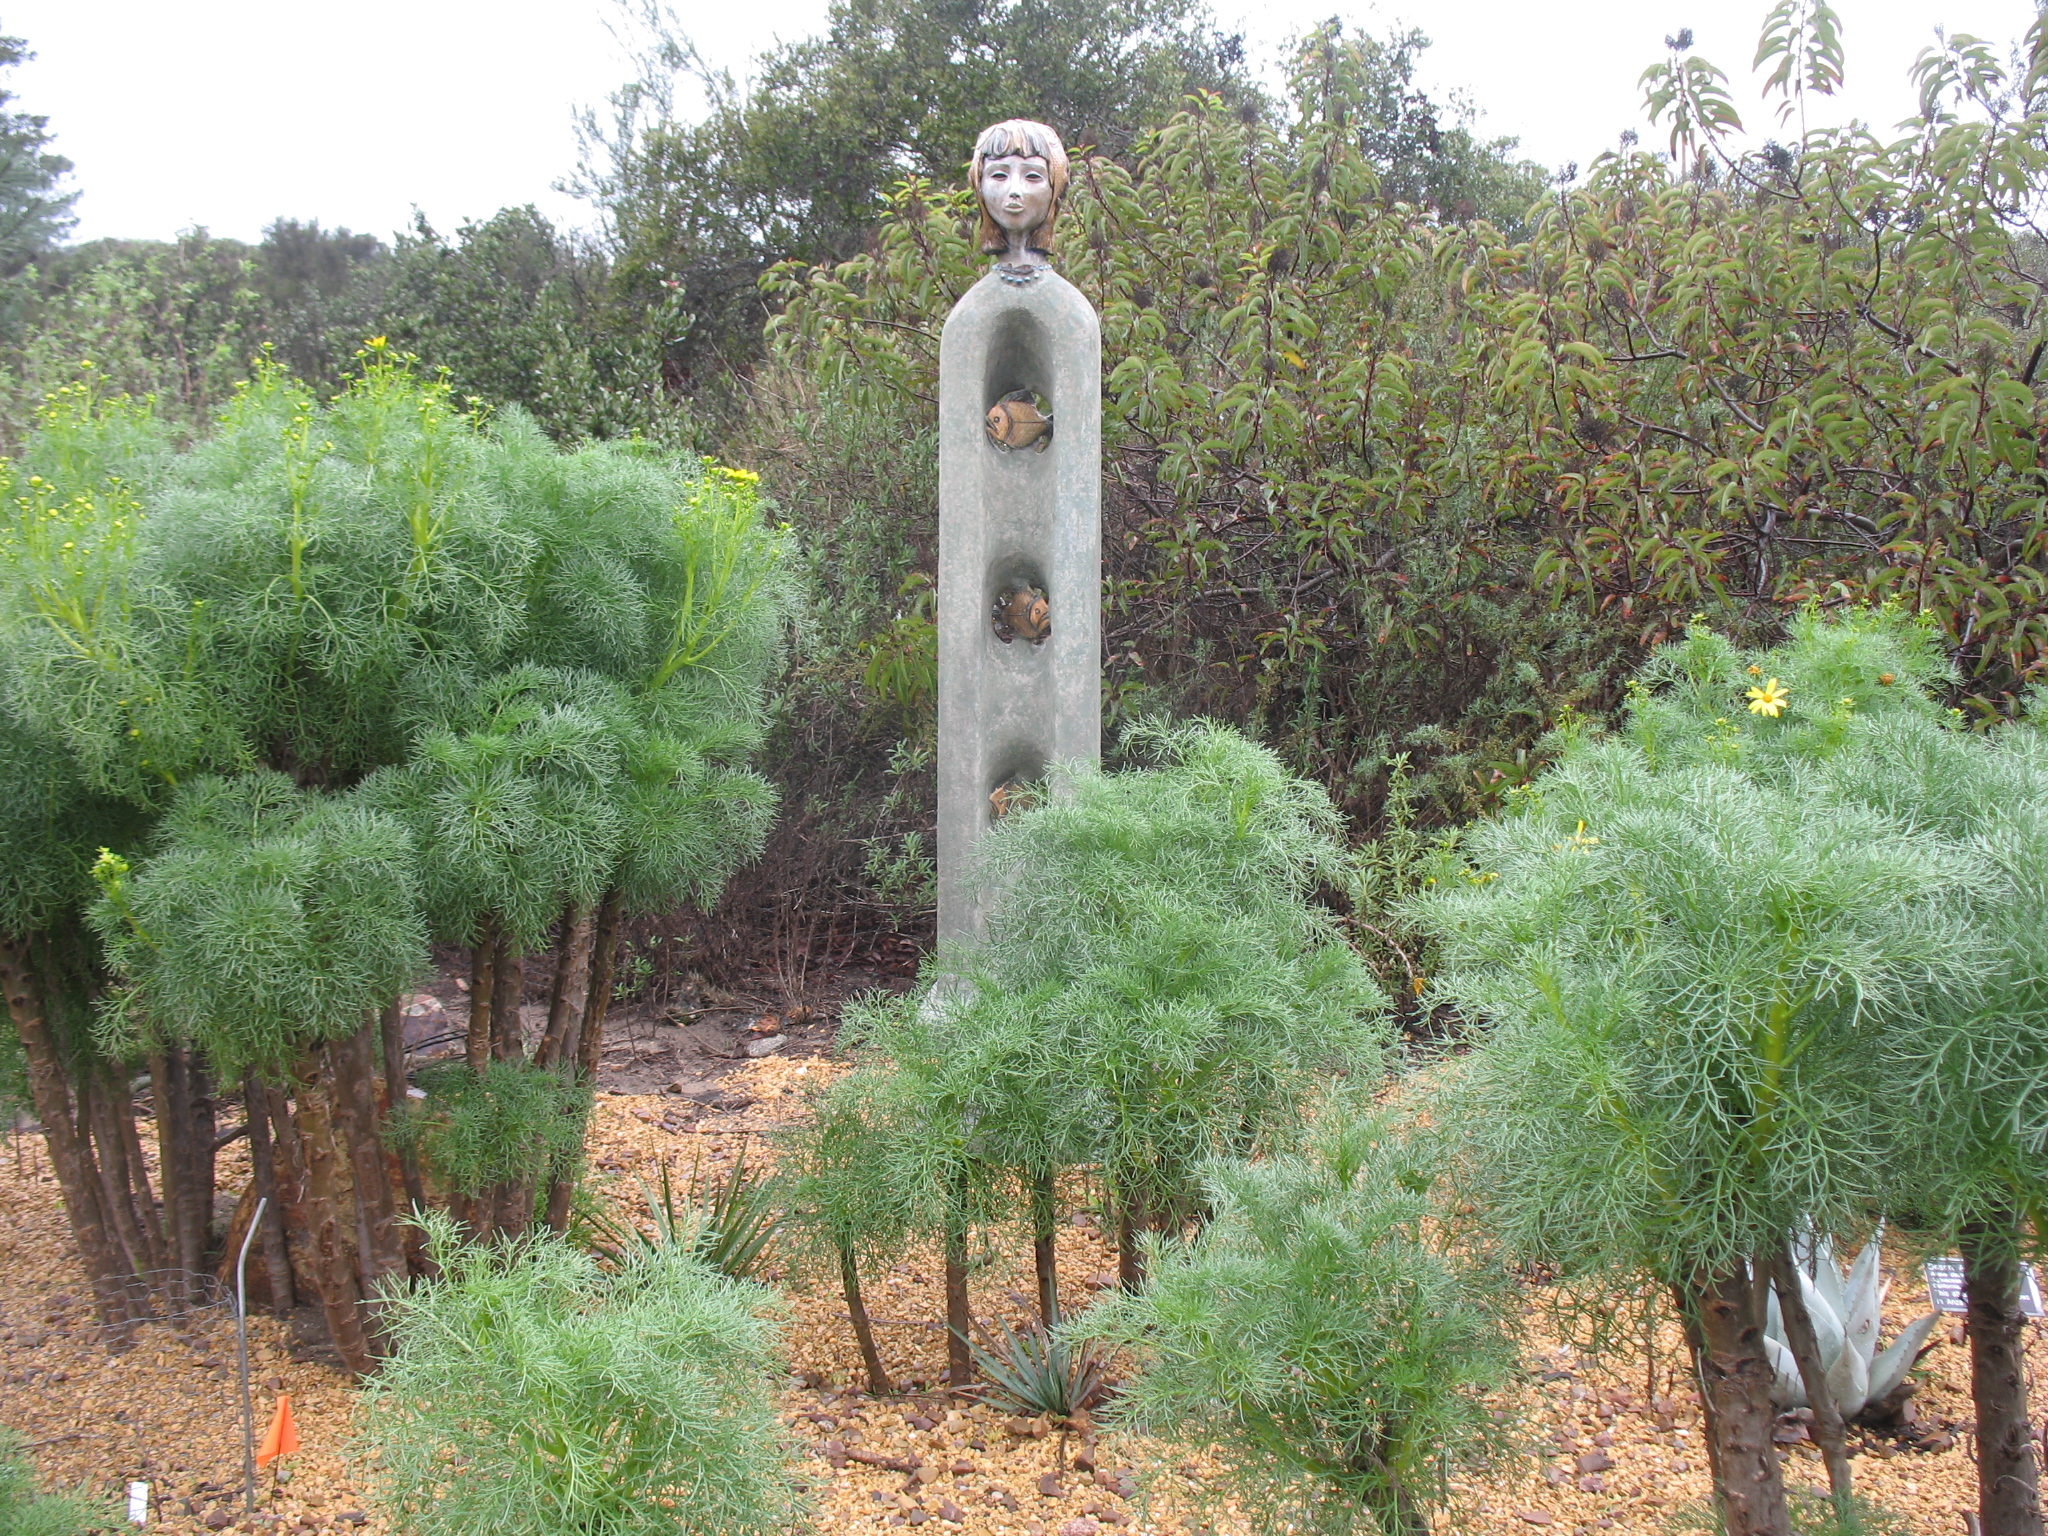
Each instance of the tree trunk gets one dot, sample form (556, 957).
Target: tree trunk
(277, 1264)
(589, 1043)
(959, 1316)
(863, 1330)
(1828, 1430)
(67, 1138)
(571, 988)
(483, 970)
(508, 990)
(1044, 1248)
(308, 1140)
(1735, 1380)
(604, 954)
(146, 1204)
(391, 1034)
(109, 1159)
(2008, 1480)
(170, 1136)
(357, 1127)
(959, 1357)
(205, 1122)
(184, 1171)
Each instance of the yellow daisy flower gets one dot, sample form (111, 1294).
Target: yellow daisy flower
(1769, 699)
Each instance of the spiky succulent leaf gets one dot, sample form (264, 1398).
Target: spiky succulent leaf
(1889, 1369)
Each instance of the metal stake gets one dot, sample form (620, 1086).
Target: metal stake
(242, 1361)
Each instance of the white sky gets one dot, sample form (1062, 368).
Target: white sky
(228, 113)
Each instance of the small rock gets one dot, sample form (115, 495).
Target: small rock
(1079, 1527)
(1084, 1459)
(350, 1517)
(1101, 1280)
(1555, 1475)
(1535, 1517)
(926, 1474)
(1593, 1484)
(1595, 1461)
(219, 1520)
(1603, 1439)
(917, 1517)
(768, 1047)
(1004, 1498)
(963, 1468)
(919, 1421)
(951, 1513)
(1049, 1486)
(1937, 1442)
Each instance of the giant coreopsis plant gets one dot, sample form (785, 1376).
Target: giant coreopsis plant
(1689, 977)
(602, 770)
(267, 924)
(1961, 1117)
(1158, 985)
(1161, 930)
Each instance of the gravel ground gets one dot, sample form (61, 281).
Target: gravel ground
(1605, 1443)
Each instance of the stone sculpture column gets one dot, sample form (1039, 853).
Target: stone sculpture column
(1020, 514)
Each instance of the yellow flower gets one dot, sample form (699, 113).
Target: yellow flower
(1769, 699)
(1755, 670)
(377, 343)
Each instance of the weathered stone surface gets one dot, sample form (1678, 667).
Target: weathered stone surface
(1020, 555)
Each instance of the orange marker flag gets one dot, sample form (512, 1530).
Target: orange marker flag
(282, 1438)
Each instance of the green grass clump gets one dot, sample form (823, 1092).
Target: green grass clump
(535, 1393)
(24, 1512)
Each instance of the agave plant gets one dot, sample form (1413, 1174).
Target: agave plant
(1845, 1311)
(1032, 1371)
(727, 1223)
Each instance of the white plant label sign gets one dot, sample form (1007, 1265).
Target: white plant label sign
(1945, 1286)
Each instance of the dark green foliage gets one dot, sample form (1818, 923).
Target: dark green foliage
(1319, 1333)
(515, 1123)
(264, 919)
(34, 213)
(795, 163)
(313, 285)
(175, 322)
(1293, 537)
(573, 1399)
(24, 1512)
(519, 313)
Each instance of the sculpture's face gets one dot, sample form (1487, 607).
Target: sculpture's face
(1017, 191)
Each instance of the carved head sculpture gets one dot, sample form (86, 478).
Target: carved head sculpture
(1020, 176)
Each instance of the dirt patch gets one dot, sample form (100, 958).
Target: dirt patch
(167, 1409)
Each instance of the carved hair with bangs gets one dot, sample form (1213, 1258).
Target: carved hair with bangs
(1020, 136)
